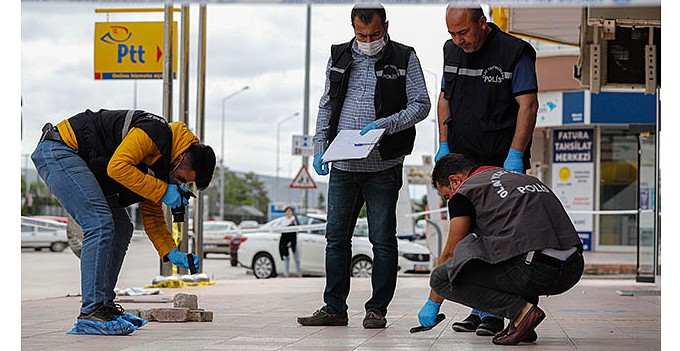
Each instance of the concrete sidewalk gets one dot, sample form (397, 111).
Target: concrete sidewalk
(261, 315)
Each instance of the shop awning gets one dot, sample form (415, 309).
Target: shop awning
(551, 24)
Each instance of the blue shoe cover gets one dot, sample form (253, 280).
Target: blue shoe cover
(136, 321)
(118, 326)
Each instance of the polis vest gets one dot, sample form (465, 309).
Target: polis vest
(515, 214)
(390, 93)
(99, 134)
(478, 87)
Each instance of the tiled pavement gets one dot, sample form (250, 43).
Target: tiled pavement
(261, 315)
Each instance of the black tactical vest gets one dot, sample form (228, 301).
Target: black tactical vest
(478, 87)
(515, 214)
(390, 93)
(99, 134)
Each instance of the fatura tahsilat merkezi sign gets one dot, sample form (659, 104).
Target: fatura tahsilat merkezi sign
(131, 50)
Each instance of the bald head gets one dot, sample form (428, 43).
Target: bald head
(467, 27)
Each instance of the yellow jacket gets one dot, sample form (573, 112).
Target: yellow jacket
(138, 148)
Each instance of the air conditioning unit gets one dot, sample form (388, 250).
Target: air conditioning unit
(620, 48)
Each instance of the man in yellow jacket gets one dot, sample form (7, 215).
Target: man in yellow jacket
(97, 164)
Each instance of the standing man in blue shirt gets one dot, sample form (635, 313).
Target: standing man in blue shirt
(371, 82)
(487, 107)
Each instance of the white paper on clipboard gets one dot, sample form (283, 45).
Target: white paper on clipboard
(350, 145)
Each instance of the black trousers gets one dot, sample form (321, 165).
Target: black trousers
(505, 288)
(286, 239)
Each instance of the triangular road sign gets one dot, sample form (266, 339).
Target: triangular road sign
(303, 180)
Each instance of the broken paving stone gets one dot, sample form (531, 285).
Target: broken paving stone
(169, 314)
(182, 300)
(200, 316)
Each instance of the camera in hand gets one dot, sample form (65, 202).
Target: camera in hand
(179, 211)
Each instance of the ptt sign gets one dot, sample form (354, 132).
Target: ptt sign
(131, 50)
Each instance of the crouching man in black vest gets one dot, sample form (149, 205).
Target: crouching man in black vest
(510, 240)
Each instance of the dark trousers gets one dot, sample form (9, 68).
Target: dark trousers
(505, 288)
(347, 193)
(287, 240)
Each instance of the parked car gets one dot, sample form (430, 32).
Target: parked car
(260, 252)
(38, 237)
(214, 233)
(248, 224)
(237, 238)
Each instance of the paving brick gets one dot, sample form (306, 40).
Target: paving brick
(182, 300)
(146, 314)
(170, 314)
(200, 315)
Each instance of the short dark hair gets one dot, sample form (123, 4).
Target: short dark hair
(201, 158)
(475, 12)
(365, 12)
(451, 164)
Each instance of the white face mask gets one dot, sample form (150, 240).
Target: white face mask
(372, 48)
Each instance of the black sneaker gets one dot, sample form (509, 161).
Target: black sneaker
(118, 310)
(490, 326)
(101, 314)
(374, 320)
(322, 318)
(469, 324)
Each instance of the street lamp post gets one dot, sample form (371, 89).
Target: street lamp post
(222, 151)
(435, 95)
(278, 133)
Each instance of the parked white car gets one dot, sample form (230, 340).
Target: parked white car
(259, 251)
(41, 235)
(214, 236)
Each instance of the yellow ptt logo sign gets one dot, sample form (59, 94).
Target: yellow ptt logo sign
(131, 50)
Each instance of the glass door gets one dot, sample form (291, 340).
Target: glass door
(647, 245)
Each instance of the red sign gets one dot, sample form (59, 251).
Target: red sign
(303, 180)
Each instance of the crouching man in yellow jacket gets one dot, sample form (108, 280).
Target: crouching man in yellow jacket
(97, 164)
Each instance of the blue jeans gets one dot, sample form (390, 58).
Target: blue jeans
(347, 193)
(107, 231)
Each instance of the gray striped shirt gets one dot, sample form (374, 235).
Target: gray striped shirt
(358, 109)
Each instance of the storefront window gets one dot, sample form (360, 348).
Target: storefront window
(618, 188)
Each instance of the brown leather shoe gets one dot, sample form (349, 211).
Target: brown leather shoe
(514, 335)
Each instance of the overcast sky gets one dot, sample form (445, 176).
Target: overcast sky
(261, 46)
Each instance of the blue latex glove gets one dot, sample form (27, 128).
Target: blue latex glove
(368, 127)
(180, 259)
(514, 161)
(173, 198)
(320, 167)
(428, 314)
(443, 150)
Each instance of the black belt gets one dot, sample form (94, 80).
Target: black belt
(50, 132)
(538, 256)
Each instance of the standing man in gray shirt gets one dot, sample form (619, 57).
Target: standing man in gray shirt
(371, 82)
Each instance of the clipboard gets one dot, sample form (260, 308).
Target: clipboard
(350, 145)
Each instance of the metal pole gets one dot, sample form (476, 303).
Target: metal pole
(166, 268)
(222, 158)
(200, 129)
(184, 113)
(305, 128)
(278, 142)
(435, 96)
